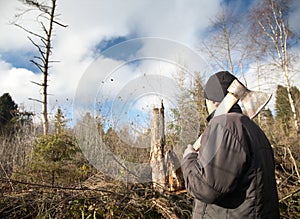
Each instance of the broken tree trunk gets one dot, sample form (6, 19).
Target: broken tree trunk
(166, 170)
(157, 149)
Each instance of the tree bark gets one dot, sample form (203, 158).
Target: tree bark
(45, 70)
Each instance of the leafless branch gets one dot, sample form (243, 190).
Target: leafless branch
(39, 66)
(28, 31)
(33, 99)
(38, 47)
(60, 24)
(39, 84)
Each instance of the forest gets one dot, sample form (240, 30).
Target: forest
(92, 168)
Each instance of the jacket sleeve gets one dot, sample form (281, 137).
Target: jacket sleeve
(214, 171)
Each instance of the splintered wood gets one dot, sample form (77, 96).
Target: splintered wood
(175, 181)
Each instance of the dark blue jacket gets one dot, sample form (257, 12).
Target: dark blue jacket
(232, 175)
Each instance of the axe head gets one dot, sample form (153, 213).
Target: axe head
(253, 101)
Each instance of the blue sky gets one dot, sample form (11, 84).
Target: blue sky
(93, 27)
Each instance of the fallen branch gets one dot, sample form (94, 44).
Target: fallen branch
(294, 163)
(289, 195)
(54, 187)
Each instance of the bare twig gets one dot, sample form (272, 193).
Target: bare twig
(289, 195)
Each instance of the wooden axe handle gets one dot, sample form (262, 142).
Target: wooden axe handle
(197, 143)
(226, 104)
(224, 107)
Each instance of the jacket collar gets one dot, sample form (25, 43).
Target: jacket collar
(235, 109)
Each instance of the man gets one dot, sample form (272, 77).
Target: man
(232, 174)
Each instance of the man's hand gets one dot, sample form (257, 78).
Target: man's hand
(189, 149)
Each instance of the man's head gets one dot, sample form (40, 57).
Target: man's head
(216, 89)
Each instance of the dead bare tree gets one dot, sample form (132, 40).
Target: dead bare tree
(47, 18)
(271, 33)
(157, 149)
(225, 41)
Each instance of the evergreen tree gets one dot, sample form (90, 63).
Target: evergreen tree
(60, 122)
(8, 110)
(11, 118)
(54, 155)
(284, 113)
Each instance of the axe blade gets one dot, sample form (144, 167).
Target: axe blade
(254, 101)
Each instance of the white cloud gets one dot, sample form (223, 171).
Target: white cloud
(175, 20)
(17, 82)
(12, 37)
(90, 22)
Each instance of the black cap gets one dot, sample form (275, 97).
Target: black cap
(217, 84)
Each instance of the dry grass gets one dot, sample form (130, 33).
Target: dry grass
(101, 197)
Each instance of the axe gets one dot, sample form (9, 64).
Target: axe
(253, 102)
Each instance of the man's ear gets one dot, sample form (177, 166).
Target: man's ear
(216, 104)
